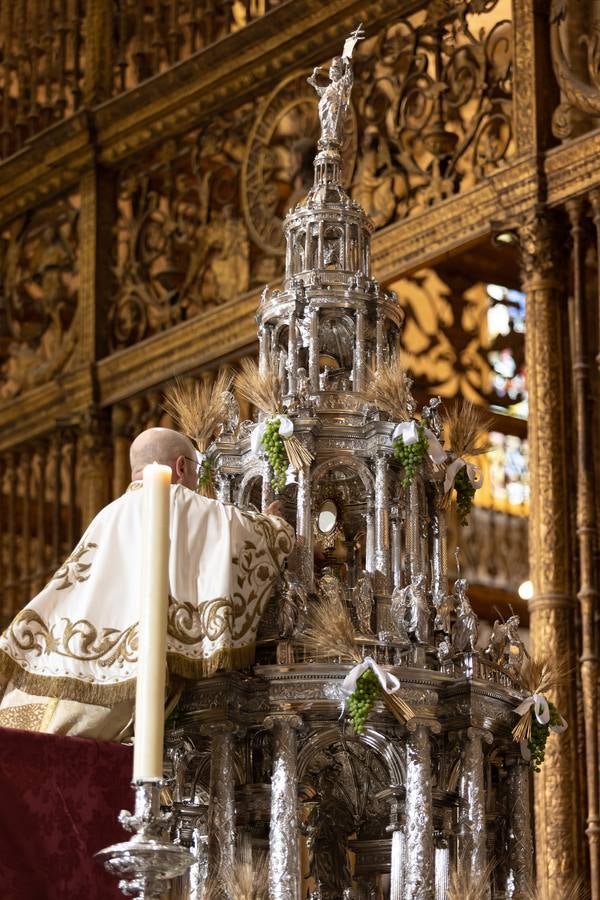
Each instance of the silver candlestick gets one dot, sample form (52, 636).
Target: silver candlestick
(146, 863)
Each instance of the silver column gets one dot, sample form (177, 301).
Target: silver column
(224, 487)
(264, 348)
(379, 339)
(397, 862)
(419, 875)
(472, 838)
(221, 805)
(412, 525)
(370, 539)
(359, 352)
(308, 261)
(442, 871)
(268, 494)
(313, 349)
(396, 549)
(284, 859)
(439, 552)
(520, 844)
(304, 550)
(382, 524)
(292, 360)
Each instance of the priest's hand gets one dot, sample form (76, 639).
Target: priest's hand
(274, 509)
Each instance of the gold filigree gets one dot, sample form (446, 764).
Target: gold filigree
(28, 717)
(79, 640)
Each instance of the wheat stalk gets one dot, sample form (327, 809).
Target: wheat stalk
(197, 407)
(465, 884)
(389, 389)
(538, 676)
(262, 389)
(465, 427)
(329, 631)
(574, 890)
(244, 881)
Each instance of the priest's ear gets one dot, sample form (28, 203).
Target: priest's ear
(179, 470)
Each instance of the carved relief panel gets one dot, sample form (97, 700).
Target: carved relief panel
(180, 243)
(199, 220)
(38, 285)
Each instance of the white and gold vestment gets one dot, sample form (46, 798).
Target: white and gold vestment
(69, 657)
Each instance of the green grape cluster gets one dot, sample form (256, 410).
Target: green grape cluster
(205, 475)
(274, 447)
(410, 455)
(539, 736)
(464, 495)
(362, 699)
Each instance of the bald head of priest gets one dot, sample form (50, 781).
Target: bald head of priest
(163, 445)
(68, 660)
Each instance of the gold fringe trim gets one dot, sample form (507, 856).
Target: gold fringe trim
(63, 687)
(223, 660)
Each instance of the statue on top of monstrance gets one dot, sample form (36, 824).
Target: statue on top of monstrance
(335, 96)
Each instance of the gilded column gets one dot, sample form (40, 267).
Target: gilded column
(121, 431)
(284, 859)
(97, 82)
(587, 594)
(520, 843)
(419, 876)
(471, 789)
(559, 838)
(95, 463)
(96, 218)
(221, 806)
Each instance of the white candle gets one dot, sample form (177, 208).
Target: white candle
(152, 649)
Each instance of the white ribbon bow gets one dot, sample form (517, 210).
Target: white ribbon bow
(410, 435)
(286, 430)
(474, 473)
(541, 711)
(388, 682)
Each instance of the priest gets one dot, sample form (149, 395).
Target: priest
(68, 660)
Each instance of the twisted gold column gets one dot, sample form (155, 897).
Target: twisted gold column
(558, 832)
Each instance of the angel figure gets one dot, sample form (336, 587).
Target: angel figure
(445, 605)
(418, 610)
(362, 598)
(398, 609)
(294, 600)
(466, 627)
(505, 647)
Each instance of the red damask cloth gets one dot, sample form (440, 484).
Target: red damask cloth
(59, 802)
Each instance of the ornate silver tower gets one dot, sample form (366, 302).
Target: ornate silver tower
(263, 761)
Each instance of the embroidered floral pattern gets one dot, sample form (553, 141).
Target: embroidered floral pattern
(73, 570)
